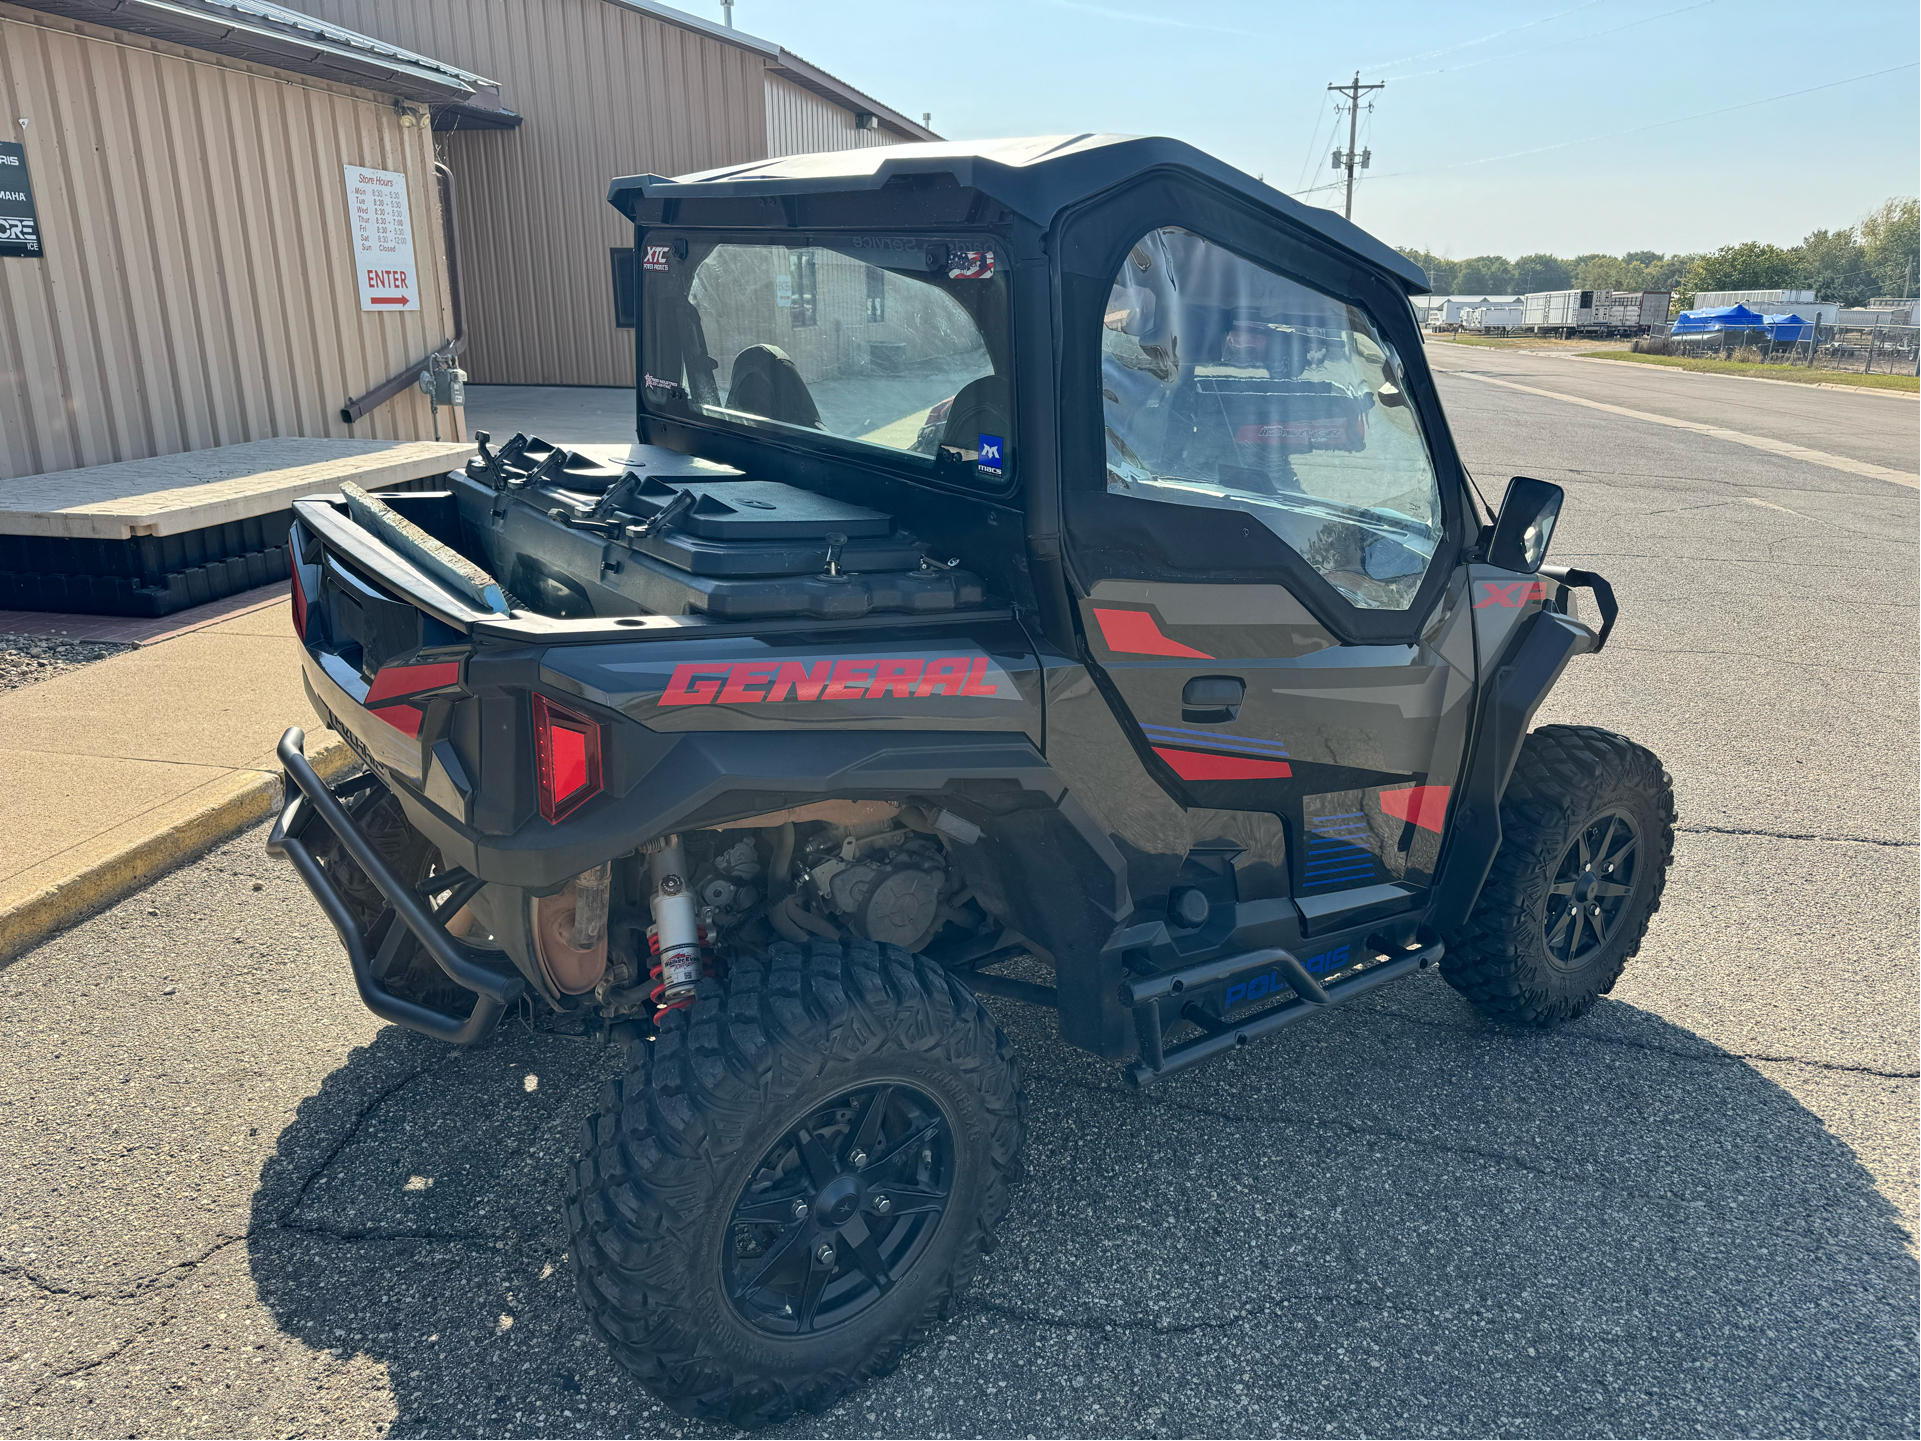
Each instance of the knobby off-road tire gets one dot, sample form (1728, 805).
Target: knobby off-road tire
(1522, 955)
(678, 1153)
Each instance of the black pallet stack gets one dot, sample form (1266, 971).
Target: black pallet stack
(150, 575)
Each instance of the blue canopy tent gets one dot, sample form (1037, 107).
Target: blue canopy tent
(1789, 328)
(1721, 317)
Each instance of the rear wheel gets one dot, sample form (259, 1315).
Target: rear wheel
(1587, 832)
(793, 1181)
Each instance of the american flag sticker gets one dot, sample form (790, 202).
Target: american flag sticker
(970, 265)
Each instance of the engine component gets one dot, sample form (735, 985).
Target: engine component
(887, 884)
(578, 910)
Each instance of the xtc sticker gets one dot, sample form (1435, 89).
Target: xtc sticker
(892, 677)
(1510, 594)
(991, 461)
(970, 265)
(655, 257)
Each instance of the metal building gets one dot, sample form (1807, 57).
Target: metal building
(601, 88)
(190, 278)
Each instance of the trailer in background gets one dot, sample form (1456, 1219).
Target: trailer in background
(1631, 312)
(1773, 302)
(1567, 310)
(1506, 316)
(1596, 312)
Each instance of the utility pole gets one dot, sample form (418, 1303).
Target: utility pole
(1347, 159)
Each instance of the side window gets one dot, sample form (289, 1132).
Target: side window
(1228, 386)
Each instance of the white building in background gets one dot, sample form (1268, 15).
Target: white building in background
(1448, 309)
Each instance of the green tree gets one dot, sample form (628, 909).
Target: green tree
(1603, 272)
(1643, 258)
(1440, 271)
(1891, 238)
(1485, 275)
(1834, 266)
(1750, 265)
(1541, 272)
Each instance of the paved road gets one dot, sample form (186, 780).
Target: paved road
(233, 1205)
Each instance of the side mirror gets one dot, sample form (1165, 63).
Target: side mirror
(1525, 524)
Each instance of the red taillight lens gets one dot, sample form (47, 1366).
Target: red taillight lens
(567, 759)
(299, 594)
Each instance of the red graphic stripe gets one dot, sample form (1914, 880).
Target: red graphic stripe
(1426, 806)
(387, 299)
(1135, 632)
(403, 718)
(1203, 766)
(399, 680)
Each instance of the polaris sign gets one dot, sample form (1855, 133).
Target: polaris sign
(19, 225)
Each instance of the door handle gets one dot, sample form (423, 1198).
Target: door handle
(1210, 699)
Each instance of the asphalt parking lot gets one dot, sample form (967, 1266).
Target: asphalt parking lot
(232, 1204)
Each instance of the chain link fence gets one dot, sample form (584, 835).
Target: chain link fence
(1860, 349)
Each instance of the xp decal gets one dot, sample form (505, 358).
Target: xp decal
(772, 682)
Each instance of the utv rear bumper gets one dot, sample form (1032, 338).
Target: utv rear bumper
(309, 802)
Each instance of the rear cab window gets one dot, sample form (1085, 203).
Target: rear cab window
(893, 346)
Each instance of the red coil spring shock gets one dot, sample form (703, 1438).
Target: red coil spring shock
(656, 975)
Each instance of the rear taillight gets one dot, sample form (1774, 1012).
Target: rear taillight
(299, 593)
(567, 759)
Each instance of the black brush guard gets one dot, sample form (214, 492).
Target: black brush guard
(310, 800)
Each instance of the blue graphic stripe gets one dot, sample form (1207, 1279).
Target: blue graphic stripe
(1185, 735)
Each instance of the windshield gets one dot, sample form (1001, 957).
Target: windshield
(1229, 386)
(895, 343)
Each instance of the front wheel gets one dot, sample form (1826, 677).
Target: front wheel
(1587, 832)
(792, 1182)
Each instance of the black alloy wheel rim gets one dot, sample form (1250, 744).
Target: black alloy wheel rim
(1591, 889)
(839, 1210)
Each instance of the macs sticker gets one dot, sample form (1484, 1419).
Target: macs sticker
(991, 460)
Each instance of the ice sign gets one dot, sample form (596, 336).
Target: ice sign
(383, 239)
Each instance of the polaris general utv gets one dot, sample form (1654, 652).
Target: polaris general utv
(1046, 549)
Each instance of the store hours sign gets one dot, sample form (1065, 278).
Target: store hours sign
(383, 239)
(19, 226)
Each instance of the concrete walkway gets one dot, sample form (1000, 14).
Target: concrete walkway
(115, 773)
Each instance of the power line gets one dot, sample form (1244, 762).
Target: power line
(1313, 142)
(1635, 130)
(1354, 157)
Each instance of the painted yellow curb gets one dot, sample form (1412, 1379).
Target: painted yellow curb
(174, 834)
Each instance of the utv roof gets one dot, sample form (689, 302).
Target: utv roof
(1036, 177)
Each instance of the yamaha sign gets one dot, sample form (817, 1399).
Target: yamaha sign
(19, 225)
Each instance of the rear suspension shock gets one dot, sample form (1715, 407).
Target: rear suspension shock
(675, 937)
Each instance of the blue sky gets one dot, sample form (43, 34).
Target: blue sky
(1473, 89)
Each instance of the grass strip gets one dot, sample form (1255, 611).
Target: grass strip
(1799, 375)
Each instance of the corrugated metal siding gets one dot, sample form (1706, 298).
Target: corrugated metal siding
(799, 122)
(606, 91)
(198, 285)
